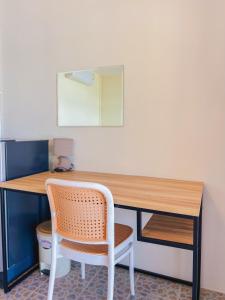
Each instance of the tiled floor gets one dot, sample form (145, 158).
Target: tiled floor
(94, 287)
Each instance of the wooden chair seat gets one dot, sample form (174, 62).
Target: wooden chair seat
(122, 232)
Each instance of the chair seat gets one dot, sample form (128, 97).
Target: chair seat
(122, 232)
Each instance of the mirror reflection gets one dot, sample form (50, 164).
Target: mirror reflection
(91, 97)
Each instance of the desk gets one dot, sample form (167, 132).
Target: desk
(176, 206)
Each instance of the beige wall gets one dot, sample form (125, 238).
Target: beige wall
(174, 57)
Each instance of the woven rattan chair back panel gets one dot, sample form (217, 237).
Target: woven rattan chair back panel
(81, 214)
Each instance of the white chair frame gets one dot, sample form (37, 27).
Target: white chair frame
(115, 254)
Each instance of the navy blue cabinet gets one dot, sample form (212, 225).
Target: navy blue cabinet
(21, 212)
(22, 217)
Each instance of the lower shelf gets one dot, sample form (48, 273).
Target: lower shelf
(168, 228)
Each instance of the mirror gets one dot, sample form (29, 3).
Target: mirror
(91, 97)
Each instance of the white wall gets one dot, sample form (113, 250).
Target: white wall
(174, 57)
(1, 71)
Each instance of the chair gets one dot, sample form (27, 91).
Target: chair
(83, 229)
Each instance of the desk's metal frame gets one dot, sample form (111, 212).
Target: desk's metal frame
(196, 247)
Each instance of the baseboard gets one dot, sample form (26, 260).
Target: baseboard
(177, 280)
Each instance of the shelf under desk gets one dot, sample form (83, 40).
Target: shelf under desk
(167, 228)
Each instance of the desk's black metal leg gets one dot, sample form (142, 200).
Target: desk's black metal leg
(4, 241)
(195, 261)
(139, 225)
(197, 257)
(199, 251)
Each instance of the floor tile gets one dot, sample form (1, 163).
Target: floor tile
(97, 289)
(37, 296)
(151, 288)
(210, 295)
(71, 285)
(35, 280)
(94, 287)
(17, 292)
(185, 292)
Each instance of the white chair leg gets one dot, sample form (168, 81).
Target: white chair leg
(52, 273)
(83, 270)
(131, 270)
(111, 271)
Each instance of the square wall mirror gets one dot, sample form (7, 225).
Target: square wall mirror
(91, 97)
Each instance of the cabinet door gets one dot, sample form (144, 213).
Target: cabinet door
(22, 218)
